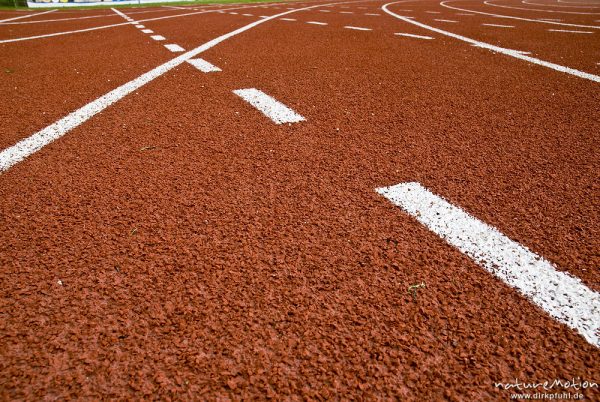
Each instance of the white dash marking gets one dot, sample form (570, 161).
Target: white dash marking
(316, 23)
(445, 20)
(413, 35)
(140, 26)
(568, 31)
(325, 11)
(203, 65)
(561, 295)
(248, 15)
(346, 12)
(357, 28)
(147, 31)
(233, 13)
(174, 47)
(158, 37)
(270, 107)
(288, 19)
(499, 26)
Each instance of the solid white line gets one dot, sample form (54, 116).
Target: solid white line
(498, 25)
(413, 36)
(443, 4)
(446, 21)
(497, 49)
(147, 31)
(175, 48)
(158, 37)
(358, 28)
(30, 145)
(26, 16)
(566, 30)
(561, 295)
(203, 65)
(316, 23)
(270, 107)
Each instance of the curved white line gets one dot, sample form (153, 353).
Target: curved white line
(555, 5)
(489, 3)
(443, 4)
(497, 49)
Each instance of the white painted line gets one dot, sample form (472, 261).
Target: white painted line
(566, 30)
(512, 50)
(140, 26)
(357, 28)
(446, 21)
(325, 11)
(508, 52)
(147, 31)
(233, 13)
(35, 142)
(346, 12)
(203, 65)
(413, 36)
(174, 47)
(288, 19)
(316, 23)
(158, 37)
(561, 295)
(549, 19)
(499, 26)
(248, 15)
(27, 16)
(270, 107)
(444, 4)
(469, 14)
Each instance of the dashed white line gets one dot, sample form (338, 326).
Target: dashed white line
(325, 11)
(346, 12)
(174, 47)
(508, 52)
(357, 28)
(203, 65)
(248, 15)
(28, 146)
(440, 20)
(499, 26)
(316, 23)
(140, 26)
(373, 14)
(147, 31)
(269, 106)
(158, 37)
(568, 31)
(413, 35)
(288, 19)
(561, 295)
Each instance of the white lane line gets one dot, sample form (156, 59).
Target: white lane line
(566, 30)
(499, 26)
(27, 16)
(549, 19)
(346, 12)
(140, 26)
(248, 15)
(357, 28)
(413, 36)
(203, 65)
(270, 107)
(469, 14)
(158, 37)
(512, 50)
(175, 48)
(325, 11)
(373, 14)
(233, 13)
(288, 19)
(316, 23)
(147, 31)
(561, 295)
(440, 20)
(30, 145)
(508, 52)
(444, 4)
